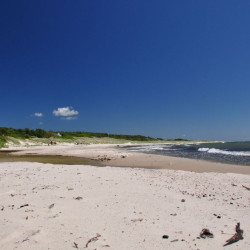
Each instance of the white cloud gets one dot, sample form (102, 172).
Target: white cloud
(38, 114)
(66, 111)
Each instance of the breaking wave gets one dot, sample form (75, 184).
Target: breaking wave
(146, 148)
(224, 152)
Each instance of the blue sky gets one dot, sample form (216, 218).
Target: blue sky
(159, 68)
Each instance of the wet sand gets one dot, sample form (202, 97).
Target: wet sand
(117, 156)
(142, 160)
(8, 156)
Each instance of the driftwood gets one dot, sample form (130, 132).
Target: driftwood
(25, 205)
(236, 237)
(93, 239)
(139, 219)
(246, 187)
(174, 240)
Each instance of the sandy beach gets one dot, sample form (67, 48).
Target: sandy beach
(118, 156)
(47, 206)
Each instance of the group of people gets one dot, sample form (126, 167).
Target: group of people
(52, 143)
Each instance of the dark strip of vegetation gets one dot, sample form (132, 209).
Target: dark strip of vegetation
(25, 133)
(40, 133)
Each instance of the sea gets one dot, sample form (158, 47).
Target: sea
(225, 152)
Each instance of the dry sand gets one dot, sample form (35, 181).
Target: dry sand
(130, 208)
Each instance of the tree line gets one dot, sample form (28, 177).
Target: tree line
(40, 133)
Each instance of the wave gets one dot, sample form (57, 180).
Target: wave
(224, 152)
(146, 148)
(149, 148)
(203, 149)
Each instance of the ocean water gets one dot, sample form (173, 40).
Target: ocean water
(226, 152)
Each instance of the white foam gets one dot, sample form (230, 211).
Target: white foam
(203, 149)
(147, 148)
(224, 152)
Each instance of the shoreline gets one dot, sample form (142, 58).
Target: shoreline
(117, 156)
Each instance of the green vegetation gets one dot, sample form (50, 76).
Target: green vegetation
(40, 133)
(39, 136)
(25, 133)
(10, 134)
(2, 141)
(102, 135)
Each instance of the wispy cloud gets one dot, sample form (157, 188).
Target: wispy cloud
(38, 114)
(70, 118)
(67, 113)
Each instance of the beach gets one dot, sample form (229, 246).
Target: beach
(118, 156)
(129, 202)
